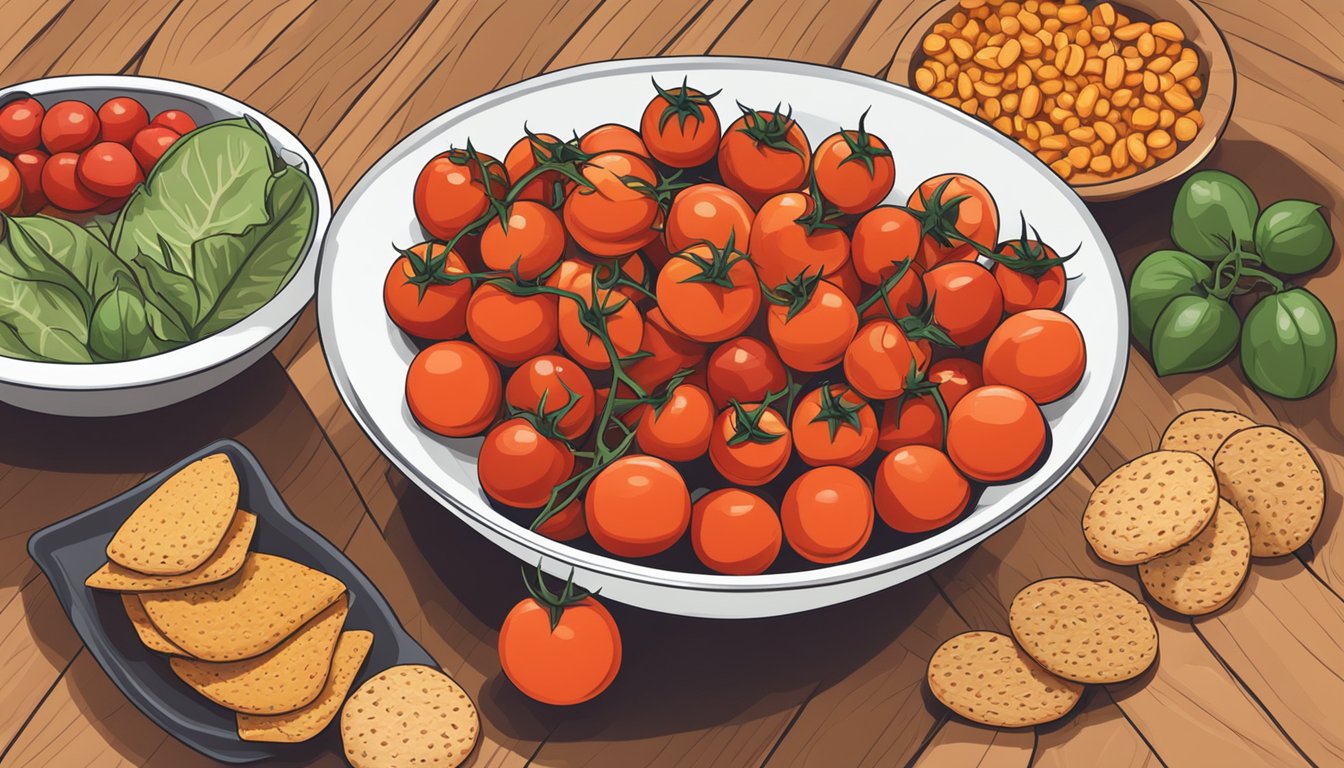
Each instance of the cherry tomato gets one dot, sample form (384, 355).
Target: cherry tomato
(613, 137)
(812, 331)
(744, 369)
(735, 532)
(450, 192)
(781, 248)
(949, 222)
(11, 187)
(679, 430)
(520, 466)
(1039, 351)
(565, 663)
(61, 184)
(917, 489)
(69, 126)
(854, 170)
(440, 311)
(616, 215)
(150, 144)
(762, 154)
(532, 243)
(624, 324)
(883, 237)
(668, 352)
(833, 425)
(21, 125)
(567, 524)
(122, 118)
(453, 389)
(680, 127)
(1030, 274)
(708, 294)
(847, 280)
(967, 302)
(757, 458)
(512, 328)
(637, 506)
(560, 380)
(827, 514)
(910, 421)
(880, 359)
(108, 169)
(524, 157)
(955, 376)
(576, 269)
(708, 213)
(996, 434)
(904, 296)
(29, 165)
(175, 120)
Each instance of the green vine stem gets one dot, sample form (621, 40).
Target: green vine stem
(555, 604)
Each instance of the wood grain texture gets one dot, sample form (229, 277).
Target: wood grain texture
(91, 37)
(211, 42)
(958, 742)
(1096, 735)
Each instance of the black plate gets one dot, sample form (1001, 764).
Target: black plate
(69, 551)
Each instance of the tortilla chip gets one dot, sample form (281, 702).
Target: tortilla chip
(183, 521)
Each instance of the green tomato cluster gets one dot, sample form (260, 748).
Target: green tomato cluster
(1180, 300)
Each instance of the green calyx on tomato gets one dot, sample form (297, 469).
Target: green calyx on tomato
(1292, 237)
(748, 418)
(836, 412)
(770, 130)
(682, 103)
(1288, 344)
(861, 147)
(555, 604)
(548, 422)
(717, 269)
(938, 219)
(917, 385)
(1214, 212)
(1027, 254)
(819, 216)
(795, 294)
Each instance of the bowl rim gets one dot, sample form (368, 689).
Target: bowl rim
(1222, 80)
(221, 347)
(952, 539)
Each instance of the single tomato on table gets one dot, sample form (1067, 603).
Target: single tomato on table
(735, 532)
(707, 213)
(708, 293)
(764, 153)
(953, 209)
(528, 241)
(559, 649)
(615, 212)
(420, 296)
(790, 236)
(453, 190)
(1039, 351)
(827, 514)
(453, 389)
(811, 322)
(637, 506)
(750, 444)
(918, 489)
(512, 328)
(967, 302)
(833, 425)
(680, 126)
(996, 434)
(546, 385)
(854, 169)
(744, 369)
(677, 426)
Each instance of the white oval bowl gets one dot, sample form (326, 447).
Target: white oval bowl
(369, 356)
(133, 386)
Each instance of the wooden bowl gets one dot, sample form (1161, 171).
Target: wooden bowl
(1215, 68)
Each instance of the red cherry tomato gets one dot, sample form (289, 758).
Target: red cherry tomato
(1039, 351)
(149, 145)
(109, 169)
(955, 376)
(519, 466)
(11, 187)
(175, 120)
(996, 434)
(122, 118)
(566, 525)
(967, 301)
(735, 531)
(453, 389)
(884, 235)
(450, 192)
(69, 126)
(612, 137)
(61, 184)
(827, 514)
(953, 208)
(561, 660)
(428, 310)
(21, 125)
(29, 165)
(744, 369)
(637, 506)
(854, 170)
(910, 421)
(917, 489)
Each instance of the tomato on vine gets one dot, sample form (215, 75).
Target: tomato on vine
(455, 188)
(680, 126)
(735, 532)
(512, 327)
(751, 442)
(763, 154)
(676, 425)
(546, 384)
(880, 359)
(615, 214)
(883, 238)
(956, 213)
(612, 137)
(854, 169)
(526, 155)
(598, 308)
(665, 352)
(1029, 272)
(528, 240)
(520, 463)
(709, 293)
(566, 525)
(792, 234)
(559, 649)
(811, 322)
(965, 300)
(833, 425)
(420, 295)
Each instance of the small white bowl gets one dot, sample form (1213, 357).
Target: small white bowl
(114, 389)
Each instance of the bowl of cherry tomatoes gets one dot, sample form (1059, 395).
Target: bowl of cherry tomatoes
(736, 338)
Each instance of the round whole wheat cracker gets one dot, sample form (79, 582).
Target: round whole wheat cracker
(1205, 574)
(1085, 631)
(409, 715)
(182, 522)
(1276, 484)
(1202, 431)
(1150, 506)
(985, 677)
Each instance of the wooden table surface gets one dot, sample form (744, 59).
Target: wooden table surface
(1260, 682)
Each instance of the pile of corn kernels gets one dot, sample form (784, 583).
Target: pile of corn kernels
(1095, 95)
